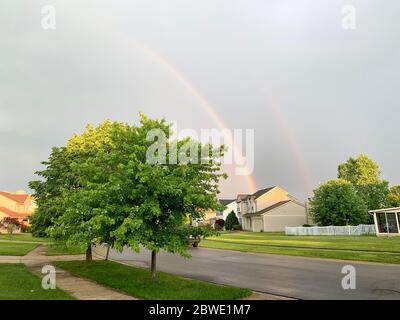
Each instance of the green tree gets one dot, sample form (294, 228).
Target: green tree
(364, 174)
(336, 202)
(63, 182)
(231, 221)
(359, 171)
(55, 177)
(394, 196)
(125, 197)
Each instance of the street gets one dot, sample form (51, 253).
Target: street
(296, 277)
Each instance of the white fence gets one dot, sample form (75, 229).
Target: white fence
(331, 230)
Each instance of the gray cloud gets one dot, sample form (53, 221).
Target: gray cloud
(314, 93)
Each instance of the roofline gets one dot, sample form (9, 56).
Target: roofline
(396, 209)
(253, 194)
(282, 203)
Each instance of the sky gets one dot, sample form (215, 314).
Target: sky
(314, 93)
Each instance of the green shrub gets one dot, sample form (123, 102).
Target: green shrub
(231, 221)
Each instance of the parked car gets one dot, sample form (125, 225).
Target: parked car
(192, 235)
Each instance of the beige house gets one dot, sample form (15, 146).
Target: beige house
(17, 205)
(270, 209)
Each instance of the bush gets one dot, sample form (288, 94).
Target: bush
(231, 221)
(336, 203)
(219, 224)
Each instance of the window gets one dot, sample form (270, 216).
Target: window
(392, 223)
(381, 219)
(238, 208)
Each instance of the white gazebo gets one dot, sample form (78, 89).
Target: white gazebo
(387, 221)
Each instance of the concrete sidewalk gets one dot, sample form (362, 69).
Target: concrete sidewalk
(79, 288)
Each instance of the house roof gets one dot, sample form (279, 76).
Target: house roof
(275, 205)
(242, 196)
(259, 193)
(225, 202)
(14, 214)
(256, 194)
(20, 198)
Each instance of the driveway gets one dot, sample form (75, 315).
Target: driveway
(297, 277)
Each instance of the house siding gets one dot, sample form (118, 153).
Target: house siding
(273, 196)
(291, 214)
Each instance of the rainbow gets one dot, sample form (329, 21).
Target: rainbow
(211, 111)
(207, 107)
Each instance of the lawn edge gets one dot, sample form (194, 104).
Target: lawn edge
(141, 298)
(307, 257)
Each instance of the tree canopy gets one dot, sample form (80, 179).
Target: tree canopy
(364, 174)
(359, 171)
(231, 221)
(394, 196)
(101, 187)
(337, 203)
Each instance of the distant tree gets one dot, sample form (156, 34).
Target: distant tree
(337, 203)
(231, 221)
(10, 224)
(359, 171)
(364, 174)
(394, 196)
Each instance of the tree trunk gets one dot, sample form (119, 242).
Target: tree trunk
(89, 253)
(108, 252)
(153, 264)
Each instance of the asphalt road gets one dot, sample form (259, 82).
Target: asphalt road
(297, 277)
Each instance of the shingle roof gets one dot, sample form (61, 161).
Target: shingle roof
(259, 193)
(256, 194)
(14, 214)
(225, 202)
(20, 198)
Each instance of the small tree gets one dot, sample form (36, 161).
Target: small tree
(337, 203)
(10, 224)
(231, 221)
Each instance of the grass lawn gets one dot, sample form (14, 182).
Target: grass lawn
(23, 237)
(136, 282)
(363, 248)
(16, 248)
(17, 283)
(59, 249)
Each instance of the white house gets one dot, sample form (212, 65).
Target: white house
(230, 205)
